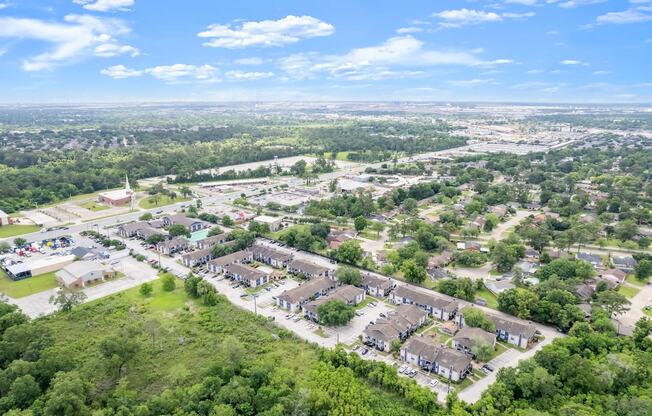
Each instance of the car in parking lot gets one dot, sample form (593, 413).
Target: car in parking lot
(434, 382)
(365, 351)
(358, 313)
(489, 367)
(402, 369)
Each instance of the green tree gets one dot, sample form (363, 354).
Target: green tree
(120, 348)
(24, 390)
(348, 276)
(350, 252)
(177, 230)
(146, 216)
(146, 289)
(412, 272)
(66, 396)
(67, 299)
(227, 221)
(482, 350)
(335, 313)
(476, 318)
(643, 269)
(410, 206)
(612, 302)
(168, 282)
(19, 242)
(360, 223)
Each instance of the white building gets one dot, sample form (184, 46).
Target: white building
(81, 273)
(4, 218)
(274, 223)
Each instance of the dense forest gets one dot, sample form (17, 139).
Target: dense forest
(48, 166)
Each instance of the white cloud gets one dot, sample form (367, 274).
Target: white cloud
(3, 6)
(624, 17)
(534, 71)
(71, 39)
(601, 72)
(248, 76)
(463, 17)
(379, 62)
(120, 72)
(570, 4)
(287, 30)
(522, 2)
(179, 73)
(108, 50)
(250, 61)
(405, 30)
(105, 5)
(573, 62)
(470, 82)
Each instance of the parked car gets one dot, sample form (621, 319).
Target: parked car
(402, 369)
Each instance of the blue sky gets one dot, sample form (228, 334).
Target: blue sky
(208, 50)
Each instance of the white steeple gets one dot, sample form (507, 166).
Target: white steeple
(127, 187)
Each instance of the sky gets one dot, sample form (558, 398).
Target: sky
(569, 51)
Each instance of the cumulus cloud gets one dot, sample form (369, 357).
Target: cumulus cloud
(573, 62)
(250, 61)
(3, 6)
(464, 17)
(120, 72)
(405, 30)
(76, 36)
(570, 4)
(380, 61)
(247, 76)
(105, 5)
(179, 73)
(264, 33)
(522, 2)
(624, 17)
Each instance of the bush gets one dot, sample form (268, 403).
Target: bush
(169, 282)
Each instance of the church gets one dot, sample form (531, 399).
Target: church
(117, 197)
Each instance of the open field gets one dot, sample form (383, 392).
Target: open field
(27, 286)
(628, 291)
(94, 206)
(16, 230)
(163, 201)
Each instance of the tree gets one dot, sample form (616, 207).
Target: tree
(482, 350)
(146, 289)
(67, 299)
(214, 231)
(146, 216)
(335, 313)
(349, 252)
(24, 390)
(476, 318)
(505, 255)
(613, 303)
(177, 230)
(19, 242)
(626, 229)
(643, 269)
(412, 272)
(168, 282)
(227, 221)
(410, 206)
(395, 347)
(185, 191)
(154, 199)
(155, 239)
(377, 226)
(348, 276)
(119, 349)
(360, 223)
(153, 328)
(66, 396)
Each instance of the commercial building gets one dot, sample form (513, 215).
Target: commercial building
(81, 273)
(274, 223)
(117, 197)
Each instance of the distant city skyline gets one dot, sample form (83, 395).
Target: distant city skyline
(535, 51)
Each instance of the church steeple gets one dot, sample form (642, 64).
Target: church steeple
(127, 187)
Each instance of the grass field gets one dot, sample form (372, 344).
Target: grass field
(490, 298)
(94, 206)
(628, 291)
(16, 230)
(27, 286)
(191, 339)
(631, 279)
(163, 201)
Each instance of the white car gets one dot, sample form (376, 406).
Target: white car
(433, 383)
(402, 369)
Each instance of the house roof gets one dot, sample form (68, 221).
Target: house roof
(174, 242)
(591, 258)
(371, 280)
(79, 268)
(198, 254)
(183, 220)
(382, 330)
(236, 257)
(511, 326)
(247, 272)
(429, 299)
(441, 260)
(307, 290)
(624, 261)
(411, 313)
(212, 240)
(132, 227)
(265, 251)
(434, 353)
(307, 267)
(469, 336)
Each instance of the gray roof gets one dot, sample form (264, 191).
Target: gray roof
(212, 240)
(431, 299)
(371, 280)
(469, 336)
(198, 254)
(434, 353)
(245, 271)
(382, 330)
(513, 327)
(307, 290)
(183, 220)
(236, 257)
(308, 267)
(265, 251)
(591, 258)
(174, 242)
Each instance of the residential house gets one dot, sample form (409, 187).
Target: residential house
(398, 325)
(269, 255)
(130, 229)
(441, 260)
(472, 246)
(527, 267)
(174, 245)
(376, 285)
(468, 338)
(197, 257)
(248, 275)
(217, 265)
(212, 241)
(499, 210)
(499, 286)
(435, 358)
(348, 294)
(593, 259)
(440, 307)
(146, 232)
(513, 331)
(308, 269)
(625, 263)
(336, 238)
(585, 291)
(531, 254)
(294, 299)
(478, 223)
(615, 276)
(191, 224)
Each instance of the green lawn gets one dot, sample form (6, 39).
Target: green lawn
(163, 201)
(628, 291)
(94, 206)
(631, 279)
(27, 286)
(490, 298)
(367, 300)
(16, 230)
